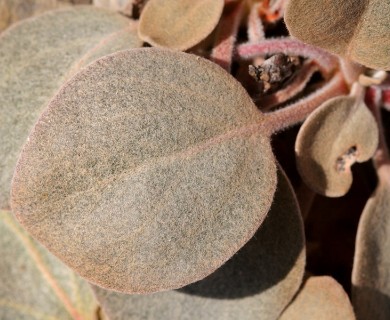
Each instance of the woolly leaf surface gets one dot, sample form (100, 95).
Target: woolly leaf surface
(355, 29)
(370, 276)
(148, 170)
(179, 24)
(256, 283)
(332, 138)
(320, 298)
(15, 10)
(36, 57)
(34, 283)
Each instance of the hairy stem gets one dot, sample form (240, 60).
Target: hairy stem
(325, 61)
(297, 112)
(255, 26)
(222, 53)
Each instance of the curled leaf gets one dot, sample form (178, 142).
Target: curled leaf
(370, 276)
(179, 24)
(36, 57)
(34, 283)
(148, 170)
(358, 30)
(340, 132)
(320, 298)
(256, 283)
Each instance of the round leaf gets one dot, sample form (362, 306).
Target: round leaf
(36, 57)
(256, 283)
(34, 283)
(320, 298)
(370, 276)
(148, 170)
(355, 29)
(331, 139)
(179, 24)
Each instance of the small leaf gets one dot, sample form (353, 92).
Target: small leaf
(36, 57)
(148, 171)
(320, 298)
(179, 24)
(358, 30)
(257, 283)
(370, 276)
(35, 284)
(332, 138)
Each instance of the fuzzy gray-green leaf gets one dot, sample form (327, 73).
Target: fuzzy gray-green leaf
(36, 57)
(148, 170)
(256, 283)
(340, 132)
(371, 276)
(36, 285)
(320, 298)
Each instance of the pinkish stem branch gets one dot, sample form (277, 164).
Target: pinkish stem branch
(326, 61)
(255, 26)
(279, 5)
(298, 111)
(386, 99)
(222, 53)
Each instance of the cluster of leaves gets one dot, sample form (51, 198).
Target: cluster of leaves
(151, 172)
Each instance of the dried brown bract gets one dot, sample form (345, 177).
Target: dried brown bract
(274, 71)
(370, 276)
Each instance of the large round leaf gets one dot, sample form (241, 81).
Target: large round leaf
(356, 29)
(148, 170)
(256, 283)
(36, 57)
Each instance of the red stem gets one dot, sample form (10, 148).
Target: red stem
(255, 26)
(326, 61)
(298, 111)
(222, 53)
